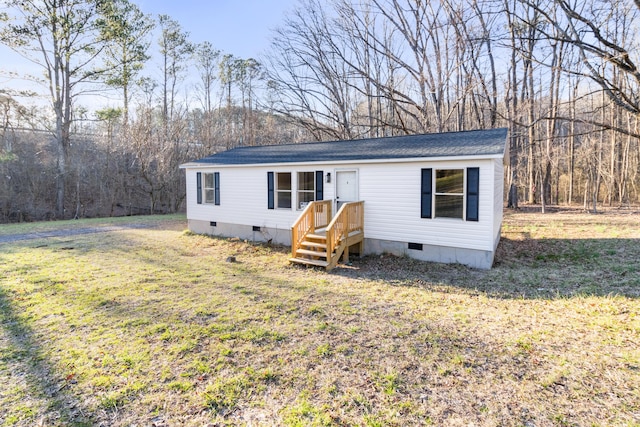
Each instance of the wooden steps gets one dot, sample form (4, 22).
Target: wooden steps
(312, 234)
(316, 262)
(314, 244)
(312, 251)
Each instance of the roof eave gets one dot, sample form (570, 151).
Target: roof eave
(192, 165)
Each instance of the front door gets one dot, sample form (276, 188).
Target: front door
(346, 187)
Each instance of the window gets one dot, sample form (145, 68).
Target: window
(209, 187)
(306, 188)
(451, 197)
(309, 187)
(283, 190)
(449, 193)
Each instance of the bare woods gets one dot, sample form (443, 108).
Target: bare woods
(564, 78)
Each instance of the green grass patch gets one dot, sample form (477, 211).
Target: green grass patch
(147, 325)
(304, 413)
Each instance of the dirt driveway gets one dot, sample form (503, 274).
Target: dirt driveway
(74, 231)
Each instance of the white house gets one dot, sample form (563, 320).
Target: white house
(434, 197)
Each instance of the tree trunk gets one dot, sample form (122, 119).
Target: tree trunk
(572, 142)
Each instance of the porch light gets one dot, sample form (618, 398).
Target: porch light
(328, 177)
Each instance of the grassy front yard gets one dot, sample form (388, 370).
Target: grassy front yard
(152, 327)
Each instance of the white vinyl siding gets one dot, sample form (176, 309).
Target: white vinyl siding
(498, 199)
(391, 192)
(392, 207)
(245, 198)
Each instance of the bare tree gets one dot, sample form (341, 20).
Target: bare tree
(247, 73)
(63, 37)
(206, 61)
(585, 26)
(207, 64)
(128, 29)
(175, 49)
(311, 77)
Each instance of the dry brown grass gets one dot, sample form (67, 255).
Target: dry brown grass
(152, 327)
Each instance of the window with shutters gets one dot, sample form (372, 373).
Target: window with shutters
(446, 192)
(281, 187)
(211, 188)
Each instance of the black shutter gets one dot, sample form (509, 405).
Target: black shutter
(199, 187)
(319, 185)
(270, 190)
(473, 186)
(425, 193)
(216, 186)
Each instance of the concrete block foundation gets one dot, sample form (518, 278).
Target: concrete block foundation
(444, 254)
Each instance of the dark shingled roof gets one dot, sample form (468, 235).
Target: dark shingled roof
(470, 143)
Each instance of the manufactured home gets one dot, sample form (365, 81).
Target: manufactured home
(434, 197)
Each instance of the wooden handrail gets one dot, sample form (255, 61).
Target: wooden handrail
(350, 218)
(316, 215)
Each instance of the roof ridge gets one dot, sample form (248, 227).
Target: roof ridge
(406, 136)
